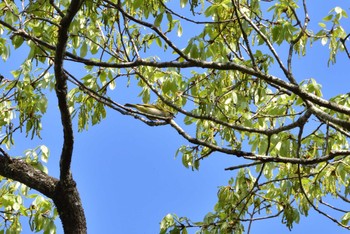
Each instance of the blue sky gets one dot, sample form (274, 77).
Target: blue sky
(126, 172)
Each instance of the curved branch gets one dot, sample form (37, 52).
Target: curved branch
(343, 41)
(302, 120)
(314, 206)
(19, 170)
(272, 80)
(61, 90)
(67, 199)
(257, 157)
(328, 118)
(345, 199)
(332, 207)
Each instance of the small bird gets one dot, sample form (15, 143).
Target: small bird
(151, 109)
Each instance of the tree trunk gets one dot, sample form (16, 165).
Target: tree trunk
(70, 208)
(64, 194)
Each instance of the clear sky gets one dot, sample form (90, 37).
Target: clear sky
(126, 172)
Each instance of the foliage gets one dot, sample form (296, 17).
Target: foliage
(218, 77)
(15, 196)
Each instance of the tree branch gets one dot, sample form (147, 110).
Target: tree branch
(61, 90)
(272, 80)
(19, 170)
(151, 26)
(257, 157)
(243, 166)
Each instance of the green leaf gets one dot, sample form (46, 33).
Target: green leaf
(4, 49)
(345, 219)
(167, 221)
(187, 159)
(328, 18)
(183, 3)
(194, 51)
(76, 42)
(44, 153)
(322, 25)
(94, 48)
(50, 228)
(158, 20)
(159, 41)
(179, 30)
(83, 49)
(17, 41)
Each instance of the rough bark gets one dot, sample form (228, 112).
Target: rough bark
(62, 191)
(64, 194)
(70, 208)
(66, 198)
(19, 170)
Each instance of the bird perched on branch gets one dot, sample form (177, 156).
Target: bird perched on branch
(154, 110)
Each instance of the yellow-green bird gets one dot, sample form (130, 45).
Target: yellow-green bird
(152, 110)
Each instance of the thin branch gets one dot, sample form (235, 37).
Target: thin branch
(343, 41)
(269, 45)
(293, 42)
(167, 9)
(251, 192)
(151, 26)
(5, 154)
(263, 218)
(337, 128)
(305, 193)
(245, 37)
(257, 157)
(57, 8)
(333, 207)
(343, 198)
(114, 105)
(243, 166)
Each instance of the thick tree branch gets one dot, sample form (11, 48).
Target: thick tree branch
(61, 90)
(19, 170)
(67, 198)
